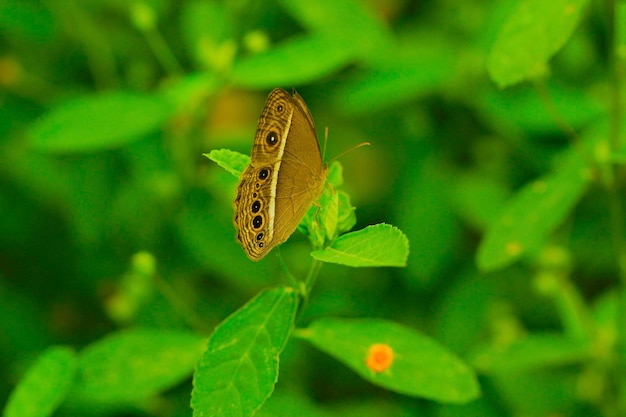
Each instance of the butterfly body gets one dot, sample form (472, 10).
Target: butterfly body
(285, 176)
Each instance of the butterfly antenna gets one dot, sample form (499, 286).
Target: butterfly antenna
(349, 150)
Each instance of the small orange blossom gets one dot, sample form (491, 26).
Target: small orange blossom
(380, 357)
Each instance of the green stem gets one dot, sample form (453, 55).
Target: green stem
(311, 277)
(292, 280)
(303, 287)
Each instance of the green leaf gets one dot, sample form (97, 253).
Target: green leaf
(231, 161)
(346, 219)
(533, 353)
(532, 214)
(329, 213)
(534, 31)
(311, 228)
(99, 122)
(129, 366)
(239, 369)
(419, 367)
(335, 174)
(302, 60)
(44, 386)
(377, 245)
(332, 216)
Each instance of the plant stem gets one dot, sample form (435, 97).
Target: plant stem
(292, 280)
(311, 277)
(302, 287)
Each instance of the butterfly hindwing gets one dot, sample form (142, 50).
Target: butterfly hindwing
(284, 178)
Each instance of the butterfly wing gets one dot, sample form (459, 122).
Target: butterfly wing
(284, 178)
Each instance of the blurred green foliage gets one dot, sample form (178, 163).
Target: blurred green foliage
(111, 218)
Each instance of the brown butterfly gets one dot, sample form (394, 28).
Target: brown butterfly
(285, 176)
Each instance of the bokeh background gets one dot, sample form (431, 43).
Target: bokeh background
(110, 217)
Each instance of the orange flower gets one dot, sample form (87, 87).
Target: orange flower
(380, 357)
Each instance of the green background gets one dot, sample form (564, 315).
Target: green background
(111, 218)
